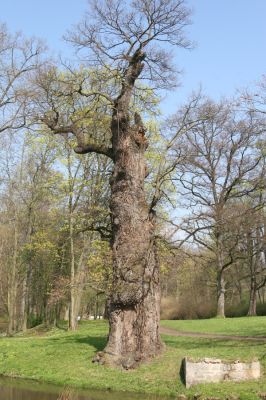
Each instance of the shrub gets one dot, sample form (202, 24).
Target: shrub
(171, 308)
(261, 309)
(33, 321)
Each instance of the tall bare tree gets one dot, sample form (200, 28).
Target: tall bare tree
(124, 43)
(221, 166)
(19, 57)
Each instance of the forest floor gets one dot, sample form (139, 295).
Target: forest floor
(62, 357)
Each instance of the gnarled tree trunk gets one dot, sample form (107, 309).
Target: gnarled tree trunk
(134, 311)
(135, 301)
(121, 36)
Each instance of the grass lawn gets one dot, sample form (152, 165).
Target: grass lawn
(64, 358)
(246, 326)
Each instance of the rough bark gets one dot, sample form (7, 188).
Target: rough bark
(134, 308)
(135, 301)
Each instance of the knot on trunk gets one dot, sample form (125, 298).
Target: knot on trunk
(128, 295)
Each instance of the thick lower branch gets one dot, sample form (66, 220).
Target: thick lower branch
(94, 148)
(81, 148)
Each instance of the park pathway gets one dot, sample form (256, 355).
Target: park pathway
(173, 332)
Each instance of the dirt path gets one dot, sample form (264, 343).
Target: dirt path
(173, 332)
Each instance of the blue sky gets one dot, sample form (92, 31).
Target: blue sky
(230, 38)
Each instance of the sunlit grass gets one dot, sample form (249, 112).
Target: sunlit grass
(64, 358)
(245, 326)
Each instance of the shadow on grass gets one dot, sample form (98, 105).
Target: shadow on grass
(182, 372)
(98, 342)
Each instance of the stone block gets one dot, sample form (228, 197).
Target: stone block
(215, 370)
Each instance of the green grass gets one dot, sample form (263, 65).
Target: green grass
(64, 358)
(245, 326)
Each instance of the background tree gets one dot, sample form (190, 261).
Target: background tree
(220, 167)
(19, 58)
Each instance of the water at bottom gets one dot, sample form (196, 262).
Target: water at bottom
(18, 389)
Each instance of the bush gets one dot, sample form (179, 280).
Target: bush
(171, 308)
(241, 309)
(237, 310)
(34, 321)
(188, 308)
(261, 309)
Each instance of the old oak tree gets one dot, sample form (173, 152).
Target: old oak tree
(124, 43)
